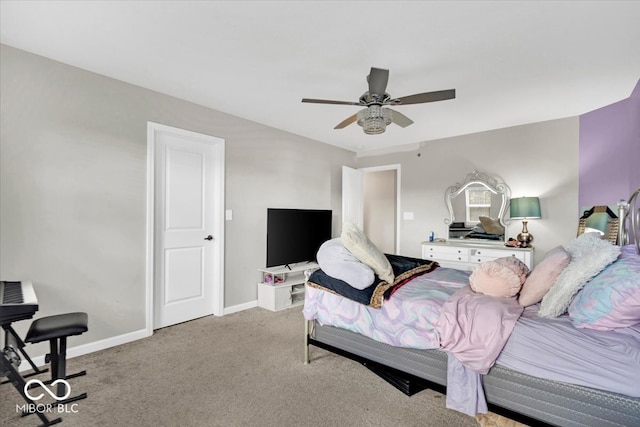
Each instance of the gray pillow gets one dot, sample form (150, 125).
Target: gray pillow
(336, 261)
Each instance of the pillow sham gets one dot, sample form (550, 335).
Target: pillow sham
(361, 247)
(518, 267)
(496, 278)
(335, 260)
(589, 256)
(611, 299)
(544, 276)
(491, 225)
(478, 228)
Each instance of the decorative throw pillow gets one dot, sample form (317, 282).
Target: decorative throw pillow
(491, 225)
(543, 276)
(612, 298)
(496, 279)
(335, 260)
(589, 255)
(518, 267)
(361, 247)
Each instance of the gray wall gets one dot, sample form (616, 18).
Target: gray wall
(539, 159)
(73, 185)
(73, 188)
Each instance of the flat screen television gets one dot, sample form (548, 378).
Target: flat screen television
(295, 235)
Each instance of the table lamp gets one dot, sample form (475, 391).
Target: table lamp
(525, 208)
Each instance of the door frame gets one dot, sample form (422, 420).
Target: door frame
(219, 173)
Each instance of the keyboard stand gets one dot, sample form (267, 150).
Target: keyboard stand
(8, 370)
(11, 339)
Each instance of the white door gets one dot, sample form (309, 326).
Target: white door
(188, 240)
(353, 196)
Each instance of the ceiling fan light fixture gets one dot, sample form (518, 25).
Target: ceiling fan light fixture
(374, 119)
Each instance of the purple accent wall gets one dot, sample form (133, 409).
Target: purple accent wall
(609, 152)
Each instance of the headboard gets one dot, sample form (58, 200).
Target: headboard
(629, 212)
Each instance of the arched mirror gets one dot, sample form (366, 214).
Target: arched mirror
(477, 207)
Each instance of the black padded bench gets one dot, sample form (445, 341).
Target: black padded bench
(56, 329)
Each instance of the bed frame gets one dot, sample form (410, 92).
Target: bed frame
(530, 400)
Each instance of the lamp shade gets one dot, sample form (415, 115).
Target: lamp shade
(525, 207)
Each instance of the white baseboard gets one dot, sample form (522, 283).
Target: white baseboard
(240, 307)
(91, 347)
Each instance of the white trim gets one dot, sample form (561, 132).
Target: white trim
(91, 347)
(397, 167)
(219, 148)
(241, 307)
(150, 229)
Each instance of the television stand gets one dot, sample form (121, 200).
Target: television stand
(283, 287)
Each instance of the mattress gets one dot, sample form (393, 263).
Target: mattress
(552, 402)
(551, 349)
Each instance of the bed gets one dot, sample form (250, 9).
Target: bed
(591, 379)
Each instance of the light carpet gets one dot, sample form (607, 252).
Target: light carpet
(242, 369)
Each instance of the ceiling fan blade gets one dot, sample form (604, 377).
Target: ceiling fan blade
(400, 119)
(326, 101)
(378, 79)
(346, 122)
(420, 98)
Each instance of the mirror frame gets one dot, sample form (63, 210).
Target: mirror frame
(612, 227)
(479, 178)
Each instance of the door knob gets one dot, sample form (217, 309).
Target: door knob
(209, 237)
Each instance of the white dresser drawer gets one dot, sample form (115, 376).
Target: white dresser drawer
(441, 250)
(491, 254)
(437, 256)
(472, 255)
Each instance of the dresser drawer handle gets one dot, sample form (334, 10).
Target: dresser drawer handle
(479, 253)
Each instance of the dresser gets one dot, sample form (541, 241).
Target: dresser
(466, 255)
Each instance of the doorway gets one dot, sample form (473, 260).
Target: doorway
(185, 208)
(371, 201)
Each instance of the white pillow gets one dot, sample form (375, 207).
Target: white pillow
(336, 261)
(361, 247)
(589, 256)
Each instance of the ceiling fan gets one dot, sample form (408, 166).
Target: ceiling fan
(375, 117)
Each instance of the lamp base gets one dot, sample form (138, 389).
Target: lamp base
(525, 238)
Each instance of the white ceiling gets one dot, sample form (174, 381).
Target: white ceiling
(511, 63)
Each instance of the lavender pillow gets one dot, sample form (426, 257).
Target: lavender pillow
(336, 261)
(543, 276)
(612, 298)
